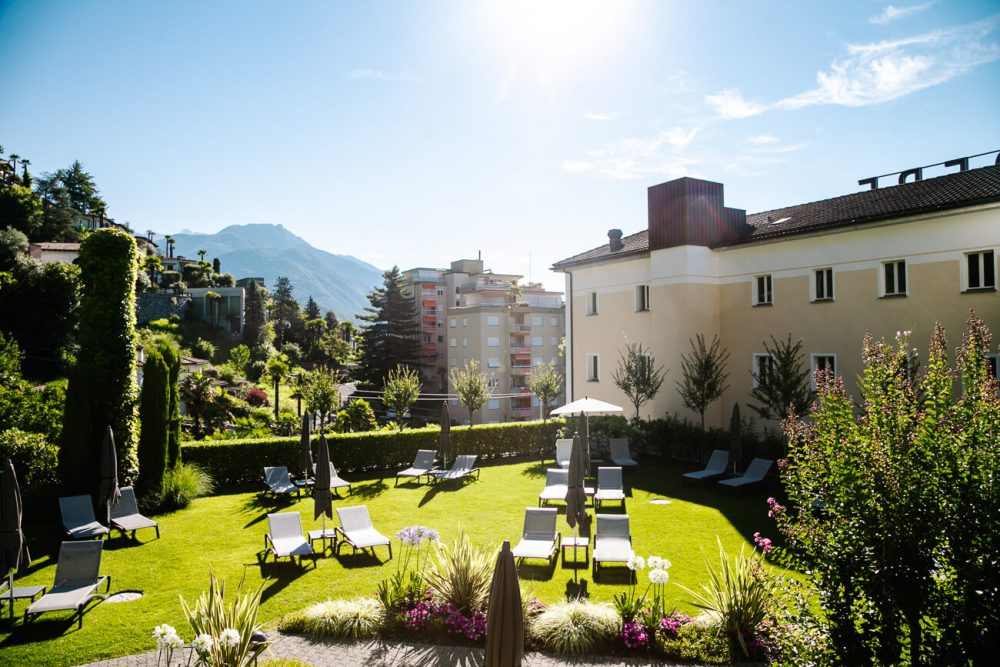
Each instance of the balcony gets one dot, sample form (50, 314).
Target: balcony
(517, 329)
(523, 413)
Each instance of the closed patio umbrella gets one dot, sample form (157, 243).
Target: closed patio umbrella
(107, 487)
(576, 496)
(504, 617)
(305, 448)
(13, 547)
(736, 438)
(584, 429)
(322, 499)
(445, 435)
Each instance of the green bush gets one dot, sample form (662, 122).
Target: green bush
(358, 618)
(154, 415)
(242, 461)
(182, 484)
(577, 627)
(35, 460)
(461, 574)
(204, 349)
(702, 641)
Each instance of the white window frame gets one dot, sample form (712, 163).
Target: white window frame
(553, 321)
(814, 360)
(828, 285)
(493, 362)
(537, 341)
(554, 341)
(537, 321)
(765, 298)
(983, 262)
(465, 321)
(755, 366)
(492, 320)
(493, 383)
(896, 265)
(592, 303)
(452, 323)
(593, 367)
(493, 404)
(537, 361)
(453, 342)
(642, 298)
(493, 341)
(465, 342)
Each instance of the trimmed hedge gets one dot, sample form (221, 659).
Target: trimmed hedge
(242, 461)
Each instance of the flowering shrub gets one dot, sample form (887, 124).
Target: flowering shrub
(258, 398)
(672, 623)
(762, 542)
(639, 621)
(635, 635)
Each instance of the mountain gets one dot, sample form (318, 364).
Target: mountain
(337, 282)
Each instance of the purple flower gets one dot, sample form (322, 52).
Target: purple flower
(634, 635)
(671, 624)
(762, 542)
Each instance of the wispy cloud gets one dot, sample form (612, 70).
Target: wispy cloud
(380, 75)
(729, 104)
(891, 13)
(761, 140)
(602, 116)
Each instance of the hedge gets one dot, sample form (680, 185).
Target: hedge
(242, 461)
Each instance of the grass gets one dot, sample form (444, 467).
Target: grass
(224, 534)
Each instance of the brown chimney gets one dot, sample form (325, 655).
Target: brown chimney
(690, 211)
(615, 240)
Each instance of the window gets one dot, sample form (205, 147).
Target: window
(894, 278)
(457, 303)
(452, 322)
(823, 360)
(592, 303)
(493, 383)
(593, 367)
(453, 342)
(641, 298)
(762, 365)
(537, 341)
(762, 294)
(493, 404)
(458, 289)
(823, 287)
(440, 339)
(553, 321)
(453, 362)
(465, 321)
(980, 270)
(493, 321)
(465, 342)
(493, 341)
(493, 362)
(440, 292)
(537, 320)
(537, 361)
(553, 341)
(428, 338)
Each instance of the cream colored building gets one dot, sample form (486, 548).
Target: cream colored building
(890, 259)
(468, 313)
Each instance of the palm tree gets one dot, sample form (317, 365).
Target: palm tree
(149, 235)
(198, 394)
(170, 245)
(14, 157)
(24, 167)
(201, 253)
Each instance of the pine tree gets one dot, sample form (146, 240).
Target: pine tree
(312, 309)
(285, 312)
(390, 336)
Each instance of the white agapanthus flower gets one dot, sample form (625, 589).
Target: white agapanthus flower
(654, 562)
(202, 643)
(173, 642)
(161, 630)
(636, 563)
(658, 576)
(229, 637)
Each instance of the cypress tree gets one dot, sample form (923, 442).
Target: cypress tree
(154, 414)
(172, 359)
(102, 390)
(254, 319)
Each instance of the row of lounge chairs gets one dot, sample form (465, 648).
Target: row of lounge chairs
(618, 452)
(80, 523)
(610, 487)
(716, 467)
(286, 539)
(540, 539)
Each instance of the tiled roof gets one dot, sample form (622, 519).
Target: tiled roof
(634, 244)
(67, 247)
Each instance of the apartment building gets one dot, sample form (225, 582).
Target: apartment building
(469, 313)
(897, 257)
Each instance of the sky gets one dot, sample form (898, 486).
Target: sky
(416, 133)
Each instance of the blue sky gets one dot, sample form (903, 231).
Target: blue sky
(414, 133)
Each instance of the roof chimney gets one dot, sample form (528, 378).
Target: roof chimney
(615, 240)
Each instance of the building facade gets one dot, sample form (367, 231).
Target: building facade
(887, 260)
(468, 313)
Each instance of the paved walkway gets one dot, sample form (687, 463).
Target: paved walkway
(392, 654)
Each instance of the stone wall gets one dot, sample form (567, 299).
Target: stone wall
(159, 305)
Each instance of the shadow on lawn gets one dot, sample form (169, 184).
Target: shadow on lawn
(279, 574)
(50, 626)
(537, 572)
(262, 506)
(446, 486)
(538, 469)
(370, 490)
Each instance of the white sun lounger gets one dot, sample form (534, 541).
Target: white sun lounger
(125, 514)
(357, 530)
(716, 466)
(423, 464)
(277, 481)
(755, 473)
(620, 455)
(564, 447)
(78, 518)
(464, 465)
(612, 540)
(77, 580)
(335, 480)
(284, 538)
(556, 486)
(609, 486)
(539, 538)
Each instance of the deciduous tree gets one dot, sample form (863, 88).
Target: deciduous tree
(471, 386)
(401, 391)
(783, 381)
(637, 375)
(545, 382)
(704, 375)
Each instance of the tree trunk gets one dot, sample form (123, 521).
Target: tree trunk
(913, 621)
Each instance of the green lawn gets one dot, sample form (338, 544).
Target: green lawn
(224, 533)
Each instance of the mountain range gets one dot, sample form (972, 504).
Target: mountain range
(337, 282)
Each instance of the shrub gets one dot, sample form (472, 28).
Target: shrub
(460, 575)
(288, 424)
(211, 616)
(203, 348)
(35, 461)
(576, 627)
(182, 484)
(154, 408)
(258, 398)
(358, 417)
(358, 618)
(702, 641)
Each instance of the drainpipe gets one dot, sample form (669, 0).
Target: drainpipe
(568, 316)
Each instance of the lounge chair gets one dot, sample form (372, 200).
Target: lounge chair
(620, 455)
(278, 483)
(77, 580)
(564, 447)
(125, 514)
(464, 465)
(556, 485)
(612, 540)
(423, 464)
(754, 474)
(609, 486)
(716, 467)
(357, 530)
(79, 520)
(335, 481)
(284, 537)
(539, 538)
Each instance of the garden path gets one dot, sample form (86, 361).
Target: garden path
(319, 653)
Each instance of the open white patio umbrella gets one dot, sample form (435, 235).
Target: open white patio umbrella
(588, 406)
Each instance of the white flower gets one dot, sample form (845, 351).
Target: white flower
(173, 642)
(229, 637)
(658, 576)
(636, 563)
(654, 562)
(202, 643)
(161, 630)
(666, 565)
